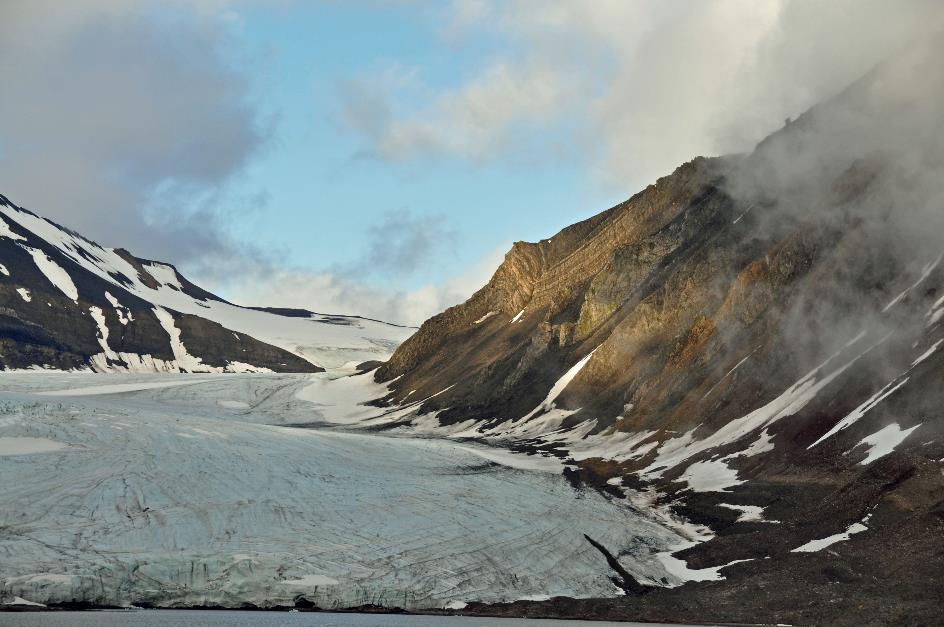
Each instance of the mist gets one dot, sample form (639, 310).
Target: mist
(859, 178)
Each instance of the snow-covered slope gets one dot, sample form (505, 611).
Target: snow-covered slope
(68, 286)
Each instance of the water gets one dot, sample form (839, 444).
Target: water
(197, 618)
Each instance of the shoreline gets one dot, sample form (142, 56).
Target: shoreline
(370, 610)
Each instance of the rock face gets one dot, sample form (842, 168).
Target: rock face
(569, 291)
(757, 331)
(68, 303)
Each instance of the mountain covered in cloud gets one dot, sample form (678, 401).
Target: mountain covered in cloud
(68, 303)
(752, 340)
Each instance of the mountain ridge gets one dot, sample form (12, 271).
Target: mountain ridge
(69, 303)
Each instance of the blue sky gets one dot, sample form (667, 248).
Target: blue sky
(379, 156)
(322, 186)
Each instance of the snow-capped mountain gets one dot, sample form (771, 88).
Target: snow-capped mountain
(68, 303)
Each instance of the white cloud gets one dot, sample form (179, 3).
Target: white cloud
(651, 84)
(327, 292)
(475, 120)
(115, 109)
(463, 15)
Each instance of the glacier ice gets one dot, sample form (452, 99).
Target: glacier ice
(178, 491)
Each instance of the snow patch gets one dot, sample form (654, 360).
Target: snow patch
(186, 361)
(710, 476)
(925, 273)
(729, 373)
(676, 450)
(504, 457)
(517, 316)
(762, 444)
(9, 234)
(3, 270)
(244, 368)
(818, 545)
(862, 410)
(679, 567)
(133, 362)
(124, 314)
(749, 513)
(163, 274)
(548, 403)
(24, 294)
(485, 317)
(610, 444)
(746, 211)
(927, 353)
(110, 361)
(883, 442)
(54, 272)
(99, 317)
(936, 312)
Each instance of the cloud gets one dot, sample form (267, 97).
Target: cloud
(858, 180)
(125, 123)
(329, 292)
(400, 245)
(461, 16)
(650, 84)
(128, 124)
(402, 242)
(476, 120)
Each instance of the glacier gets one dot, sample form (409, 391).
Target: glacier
(227, 489)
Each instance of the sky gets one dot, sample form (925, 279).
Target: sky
(379, 157)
